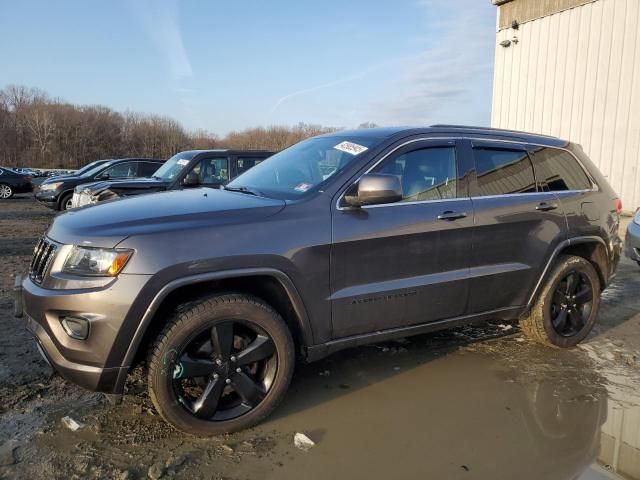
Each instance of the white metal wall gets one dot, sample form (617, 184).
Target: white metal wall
(576, 75)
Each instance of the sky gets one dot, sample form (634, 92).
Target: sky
(222, 66)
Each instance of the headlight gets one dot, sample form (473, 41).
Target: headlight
(45, 187)
(103, 262)
(636, 217)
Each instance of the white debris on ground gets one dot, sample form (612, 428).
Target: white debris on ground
(71, 424)
(504, 327)
(304, 443)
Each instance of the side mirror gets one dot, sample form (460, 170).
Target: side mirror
(103, 176)
(374, 189)
(191, 179)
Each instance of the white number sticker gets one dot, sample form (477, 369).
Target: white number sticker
(350, 147)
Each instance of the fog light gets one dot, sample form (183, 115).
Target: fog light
(76, 327)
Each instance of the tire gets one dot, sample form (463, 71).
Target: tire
(6, 192)
(187, 347)
(546, 323)
(65, 201)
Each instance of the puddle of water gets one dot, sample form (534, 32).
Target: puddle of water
(514, 411)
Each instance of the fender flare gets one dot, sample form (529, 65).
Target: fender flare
(562, 245)
(281, 277)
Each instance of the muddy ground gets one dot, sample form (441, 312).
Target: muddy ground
(479, 402)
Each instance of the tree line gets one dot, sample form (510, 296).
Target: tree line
(43, 132)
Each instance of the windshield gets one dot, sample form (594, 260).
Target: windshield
(172, 167)
(89, 166)
(302, 167)
(95, 169)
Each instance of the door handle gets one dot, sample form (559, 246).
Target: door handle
(545, 207)
(449, 215)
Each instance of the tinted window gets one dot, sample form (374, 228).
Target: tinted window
(245, 164)
(425, 174)
(146, 169)
(212, 171)
(557, 170)
(501, 172)
(125, 169)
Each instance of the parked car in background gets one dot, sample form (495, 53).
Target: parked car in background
(194, 168)
(12, 182)
(632, 239)
(27, 171)
(344, 239)
(57, 192)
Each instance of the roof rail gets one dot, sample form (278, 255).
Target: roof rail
(490, 129)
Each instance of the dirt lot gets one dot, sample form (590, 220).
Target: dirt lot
(478, 402)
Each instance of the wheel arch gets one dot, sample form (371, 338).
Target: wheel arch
(271, 285)
(62, 195)
(592, 248)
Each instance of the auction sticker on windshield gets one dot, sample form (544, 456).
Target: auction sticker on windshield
(350, 147)
(183, 161)
(303, 187)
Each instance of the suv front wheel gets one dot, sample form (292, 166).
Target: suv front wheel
(567, 306)
(221, 365)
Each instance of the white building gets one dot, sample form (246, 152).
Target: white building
(571, 68)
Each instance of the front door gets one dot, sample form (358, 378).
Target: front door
(404, 263)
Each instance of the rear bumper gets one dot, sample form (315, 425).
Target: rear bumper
(632, 242)
(24, 188)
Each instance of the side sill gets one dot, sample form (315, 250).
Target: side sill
(317, 352)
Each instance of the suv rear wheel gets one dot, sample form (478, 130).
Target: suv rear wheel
(567, 307)
(221, 365)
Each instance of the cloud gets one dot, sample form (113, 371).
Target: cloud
(450, 78)
(160, 23)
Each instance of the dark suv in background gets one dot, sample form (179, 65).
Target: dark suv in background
(340, 240)
(57, 192)
(194, 168)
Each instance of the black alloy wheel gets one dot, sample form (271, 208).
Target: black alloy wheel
(224, 371)
(571, 304)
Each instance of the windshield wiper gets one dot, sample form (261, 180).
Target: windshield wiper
(244, 190)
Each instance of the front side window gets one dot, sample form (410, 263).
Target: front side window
(558, 170)
(303, 167)
(211, 171)
(121, 170)
(503, 172)
(425, 174)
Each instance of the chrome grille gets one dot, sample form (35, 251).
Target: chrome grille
(42, 258)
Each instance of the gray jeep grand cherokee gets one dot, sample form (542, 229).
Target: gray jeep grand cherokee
(341, 240)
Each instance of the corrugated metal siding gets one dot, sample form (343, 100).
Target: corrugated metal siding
(576, 75)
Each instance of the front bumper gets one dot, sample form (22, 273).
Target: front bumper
(632, 242)
(50, 198)
(84, 362)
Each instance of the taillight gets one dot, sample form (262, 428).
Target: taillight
(618, 204)
(27, 178)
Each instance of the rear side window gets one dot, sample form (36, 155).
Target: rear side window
(558, 170)
(503, 172)
(245, 164)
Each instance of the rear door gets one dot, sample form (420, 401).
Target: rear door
(404, 263)
(517, 226)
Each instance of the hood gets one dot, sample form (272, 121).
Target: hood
(124, 184)
(107, 224)
(60, 178)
